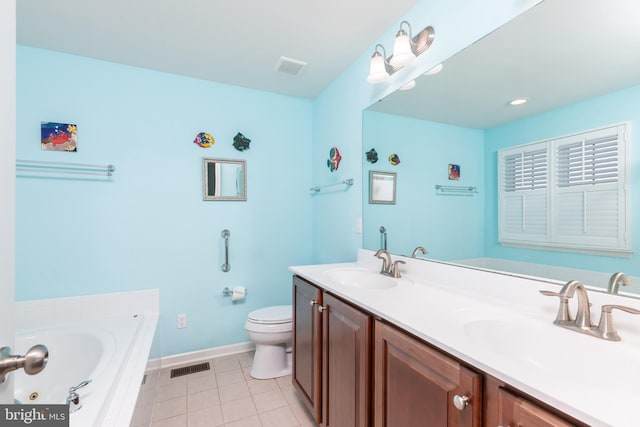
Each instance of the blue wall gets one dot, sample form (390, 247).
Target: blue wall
(148, 227)
(609, 109)
(420, 217)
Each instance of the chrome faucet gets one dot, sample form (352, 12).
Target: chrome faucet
(73, 399)
(419, 249)
(389, 268)
(616, 280)
(582, 323)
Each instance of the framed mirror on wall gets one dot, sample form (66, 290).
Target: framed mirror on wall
(224, 179)
(382, 187)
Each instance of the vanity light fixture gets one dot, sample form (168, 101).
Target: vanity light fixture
(405, 50)
(379, 67)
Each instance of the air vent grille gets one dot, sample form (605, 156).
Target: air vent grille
(290, 66)
(178, 372)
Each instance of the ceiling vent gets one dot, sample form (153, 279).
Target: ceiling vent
(290, 66)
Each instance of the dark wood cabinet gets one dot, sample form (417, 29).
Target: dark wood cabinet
(416, 385)
(332, 357)
(353, 372)
(515, 411)
(307, 345)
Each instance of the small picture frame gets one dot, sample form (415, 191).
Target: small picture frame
(382, 188)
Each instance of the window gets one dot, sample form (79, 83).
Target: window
(567, 193)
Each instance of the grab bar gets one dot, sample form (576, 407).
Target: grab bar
(225, 235)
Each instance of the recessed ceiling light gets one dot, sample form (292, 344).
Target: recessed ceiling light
(518, 101)
(434, 70)
(408, 86)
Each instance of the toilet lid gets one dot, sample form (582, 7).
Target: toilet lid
(270, 315)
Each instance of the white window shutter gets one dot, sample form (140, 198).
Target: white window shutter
(569, 193)
(523, 194)
(589, 209)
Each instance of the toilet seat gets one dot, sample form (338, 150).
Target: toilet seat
(275, 315)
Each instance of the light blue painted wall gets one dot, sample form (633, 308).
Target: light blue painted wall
(153, 230)
(149, 227)
(450, 227)
(337, 111)
(609, 109)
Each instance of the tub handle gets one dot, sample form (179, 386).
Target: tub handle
(73, 400)
(82, 384)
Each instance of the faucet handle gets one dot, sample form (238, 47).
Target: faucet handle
(606, 327)
(396, 268)
(563, 316)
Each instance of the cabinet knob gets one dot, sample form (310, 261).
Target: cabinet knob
(460, 402)
(313, 302)
(322, 308)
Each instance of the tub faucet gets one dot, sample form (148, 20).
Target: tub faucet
(616, 280)
(73, 399)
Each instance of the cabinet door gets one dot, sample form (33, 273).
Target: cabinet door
(346, 370)
(414, 384)
(515, 411)
(307, 344)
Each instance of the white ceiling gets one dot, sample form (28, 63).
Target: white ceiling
(558, 53)
(236, 42)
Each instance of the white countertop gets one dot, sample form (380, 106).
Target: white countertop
(503, 326)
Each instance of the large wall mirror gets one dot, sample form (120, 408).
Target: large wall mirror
(577, 63)
(224, 179)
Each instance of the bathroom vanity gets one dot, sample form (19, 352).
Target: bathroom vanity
(452, 346)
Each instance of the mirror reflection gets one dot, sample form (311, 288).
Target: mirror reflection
(575, 63)
(382, 187)
(224, 179)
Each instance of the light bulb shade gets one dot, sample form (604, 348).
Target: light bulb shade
(402, 52)
(408, 86)
(377, 69)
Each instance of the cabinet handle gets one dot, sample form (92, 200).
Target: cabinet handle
(322, 308)
(313, 302)
(460, 402)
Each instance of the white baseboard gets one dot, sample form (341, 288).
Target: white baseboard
(197, 356)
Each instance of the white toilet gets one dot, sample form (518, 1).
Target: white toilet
(270, 329)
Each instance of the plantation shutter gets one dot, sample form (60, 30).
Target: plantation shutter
(568, 193)
(589, 196)
(523, 194)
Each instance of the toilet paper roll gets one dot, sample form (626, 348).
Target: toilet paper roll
(238, 293)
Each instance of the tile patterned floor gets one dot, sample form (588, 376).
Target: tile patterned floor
(226, 395)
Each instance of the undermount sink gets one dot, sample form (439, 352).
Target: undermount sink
(361, 278)
(542, 347)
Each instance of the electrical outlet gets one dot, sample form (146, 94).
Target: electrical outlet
(182, 321)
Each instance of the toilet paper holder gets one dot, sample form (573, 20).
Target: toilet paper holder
(227, 292)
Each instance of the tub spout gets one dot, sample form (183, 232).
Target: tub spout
(73, 399)
(33, 361)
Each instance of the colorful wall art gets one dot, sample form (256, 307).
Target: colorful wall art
(334, 159)
(454, 172)
(58, 136)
